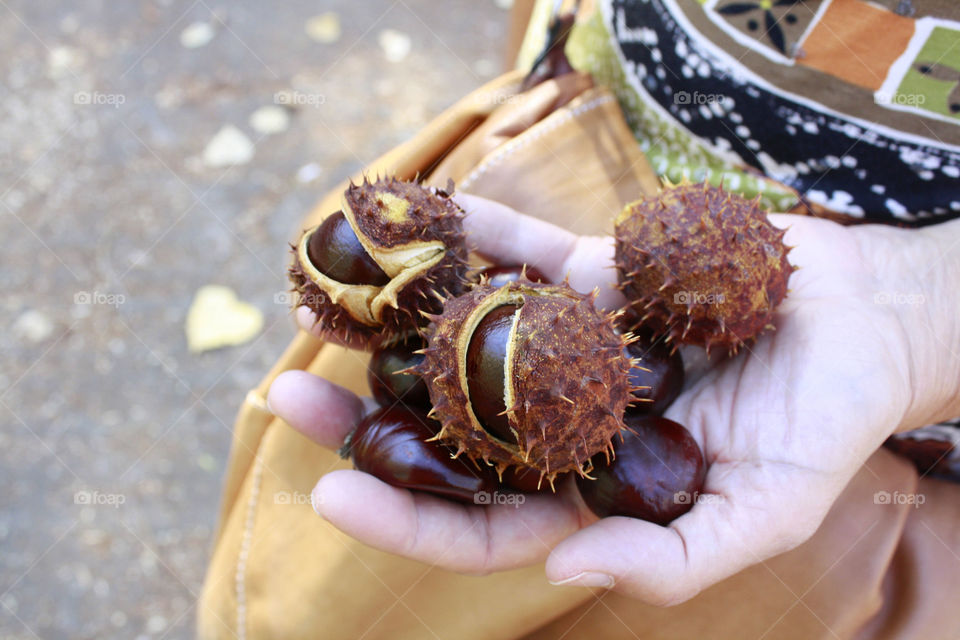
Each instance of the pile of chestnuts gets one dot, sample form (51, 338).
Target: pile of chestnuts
(499, 380)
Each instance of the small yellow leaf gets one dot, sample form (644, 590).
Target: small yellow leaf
(396, 45)
(324, 28)
(218, 319)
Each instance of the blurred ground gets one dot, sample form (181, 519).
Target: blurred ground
(113, 219)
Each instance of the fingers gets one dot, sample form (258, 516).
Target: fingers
(657, 565)
(507, 237)
(317, 408)
(461, 538)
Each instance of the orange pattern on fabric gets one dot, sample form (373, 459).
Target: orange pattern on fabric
(857, 42)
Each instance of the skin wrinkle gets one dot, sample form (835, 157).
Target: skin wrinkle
(487, 566)
(415, 538)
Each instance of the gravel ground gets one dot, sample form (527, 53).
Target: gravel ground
(115, 436)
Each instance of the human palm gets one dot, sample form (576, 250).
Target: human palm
(783, 427)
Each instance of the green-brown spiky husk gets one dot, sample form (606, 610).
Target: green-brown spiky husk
(431, 218)
(435, 216)
(570, 378)
(701, 266)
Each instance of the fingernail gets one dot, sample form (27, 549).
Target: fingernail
(586, 579)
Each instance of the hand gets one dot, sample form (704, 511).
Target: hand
(783, 426)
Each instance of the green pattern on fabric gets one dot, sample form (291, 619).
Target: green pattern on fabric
(933, 93)
(672, 151)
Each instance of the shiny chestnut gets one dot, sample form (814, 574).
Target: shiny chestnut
(391, 444)
(389, 377)
(486, 358)
(658, 378)
(335, 251)
(527, 374)
(528, 480)
(656, 475)
(371, 271)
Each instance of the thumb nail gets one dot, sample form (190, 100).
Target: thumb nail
(586, 579)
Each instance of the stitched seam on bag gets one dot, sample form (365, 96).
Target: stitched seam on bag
(245, 543)
(526, 139)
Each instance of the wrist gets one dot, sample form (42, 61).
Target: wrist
(921, 274)
(942, 304)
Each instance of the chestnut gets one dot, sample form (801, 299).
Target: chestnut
(389, 377)
(486, 357)
(498, 276)
(392, 253)
(527, 480)
(527, 374)
(656, 475)
(391, 444)
(700, 265)
(335, 251)
(658, 379)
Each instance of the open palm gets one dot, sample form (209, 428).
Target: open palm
(783, 426)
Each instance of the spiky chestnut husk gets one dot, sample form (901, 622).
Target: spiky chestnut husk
(498, 275)
(415, 235)
(701, 266)
(566, 378)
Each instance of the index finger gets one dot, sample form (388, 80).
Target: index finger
(463, 538)
(507, 237)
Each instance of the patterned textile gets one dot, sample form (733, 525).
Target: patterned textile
(844, 107)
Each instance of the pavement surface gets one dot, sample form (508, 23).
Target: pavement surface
(117, 204)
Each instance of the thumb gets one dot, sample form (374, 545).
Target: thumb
(668, 565)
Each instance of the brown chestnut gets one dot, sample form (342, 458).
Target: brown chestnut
(391, 444)
(561, 376)
(528, 480)
(486, 358)
(499, 276)
(335, 251)
(656, 475)
(658, 378)
(389, 380)
(372, 272)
